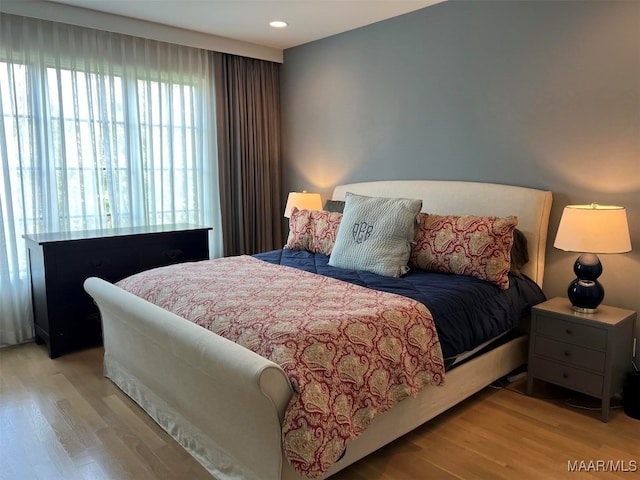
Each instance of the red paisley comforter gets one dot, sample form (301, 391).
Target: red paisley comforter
(349, 352)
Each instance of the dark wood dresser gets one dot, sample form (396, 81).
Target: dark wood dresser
(65, 316)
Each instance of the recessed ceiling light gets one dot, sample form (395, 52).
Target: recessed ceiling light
(278, 24)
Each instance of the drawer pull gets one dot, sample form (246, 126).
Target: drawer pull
(567, 353)
(565, 375)
(569, 331)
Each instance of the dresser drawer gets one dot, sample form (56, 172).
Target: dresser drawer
(566, 376)
(72, 267)
(569, 353)
(178, 247)
(570, 332)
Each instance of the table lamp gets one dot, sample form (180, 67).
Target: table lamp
(302, 201)
(591, 229)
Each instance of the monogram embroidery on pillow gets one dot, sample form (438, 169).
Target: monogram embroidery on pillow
(361, 231)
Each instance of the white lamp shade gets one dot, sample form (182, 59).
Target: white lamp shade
(593, 229)
(302, 201)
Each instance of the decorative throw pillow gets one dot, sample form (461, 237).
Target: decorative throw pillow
(376, 234)
(334, 206)
(314, 231)
(466, 245)
(519, 252)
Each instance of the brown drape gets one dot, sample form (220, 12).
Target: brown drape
(248, 125)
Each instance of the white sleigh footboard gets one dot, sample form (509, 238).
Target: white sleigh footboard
(205, 391)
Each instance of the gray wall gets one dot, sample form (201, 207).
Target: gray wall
(539, 94)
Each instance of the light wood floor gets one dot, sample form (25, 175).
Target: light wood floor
(60, 419)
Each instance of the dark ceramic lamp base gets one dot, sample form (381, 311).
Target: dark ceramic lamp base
(585, 292)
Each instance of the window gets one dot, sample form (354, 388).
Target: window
(98, 130)
(92, 164)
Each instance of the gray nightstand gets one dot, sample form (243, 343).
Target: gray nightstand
(588, 353)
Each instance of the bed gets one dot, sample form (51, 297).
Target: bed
(226, 404)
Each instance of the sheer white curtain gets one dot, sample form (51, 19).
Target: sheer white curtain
(98, 130)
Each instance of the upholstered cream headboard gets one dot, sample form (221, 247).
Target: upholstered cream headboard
(443, 197)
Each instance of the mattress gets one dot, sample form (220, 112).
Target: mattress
(468, 312)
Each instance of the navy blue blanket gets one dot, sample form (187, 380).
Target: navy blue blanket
(467, 311)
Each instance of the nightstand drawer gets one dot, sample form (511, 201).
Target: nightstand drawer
(568, 353)
(575, 333)
(573, 378)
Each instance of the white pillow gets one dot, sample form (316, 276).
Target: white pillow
(376, 234)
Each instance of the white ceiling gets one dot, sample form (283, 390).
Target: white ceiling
(248, 20)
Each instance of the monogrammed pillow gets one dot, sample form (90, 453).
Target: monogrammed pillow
(314, 231)
(376, 234)
(466, 245)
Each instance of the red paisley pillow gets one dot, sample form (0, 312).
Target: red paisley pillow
(466, 245)
(314, 231)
